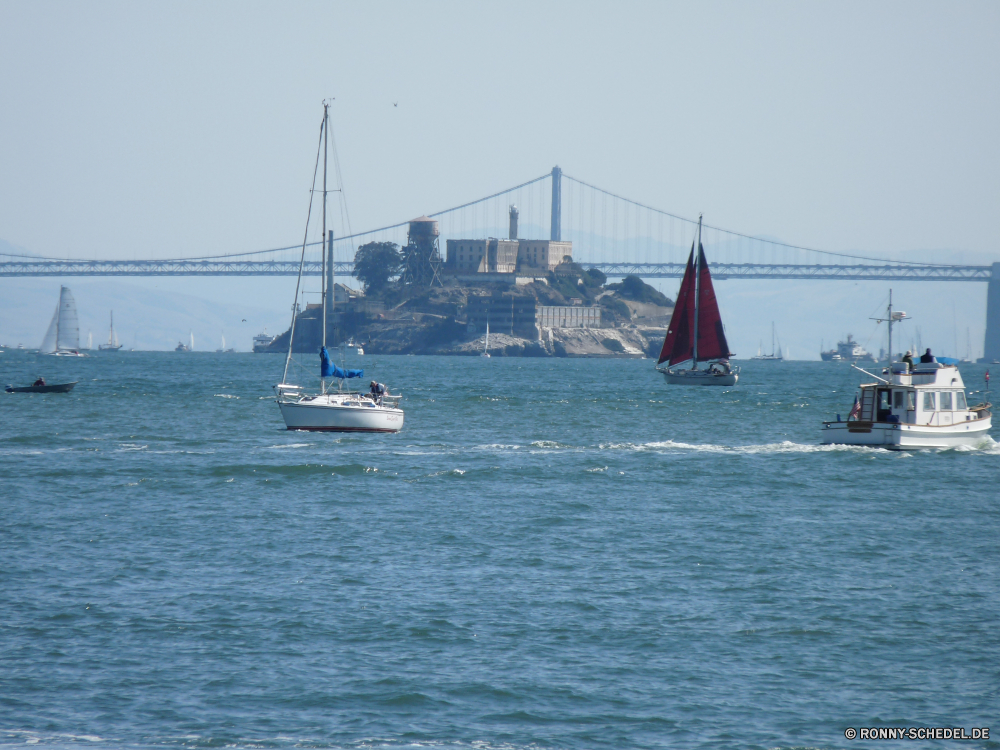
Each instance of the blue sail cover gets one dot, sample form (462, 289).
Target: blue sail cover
(329, 370)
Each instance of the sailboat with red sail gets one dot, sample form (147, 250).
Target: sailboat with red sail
(695, 333)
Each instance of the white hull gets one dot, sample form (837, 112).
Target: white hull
(336, 412)
(699, 377)
(63, 353)
(906, 436)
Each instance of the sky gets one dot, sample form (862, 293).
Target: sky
(142, 130)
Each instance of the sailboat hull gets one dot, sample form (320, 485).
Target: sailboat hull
(332, 413)
(700, 377)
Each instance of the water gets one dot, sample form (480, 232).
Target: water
(552, 554)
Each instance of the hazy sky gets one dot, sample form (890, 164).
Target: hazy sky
(157, 130)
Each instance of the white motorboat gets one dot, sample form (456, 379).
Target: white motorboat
(112, 345)
(62, 339)
(923, 406)
(696, 333)
(332, 411)
(353, 348)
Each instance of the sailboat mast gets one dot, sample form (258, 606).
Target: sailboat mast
(697, 293)
(326, 131)
(302, 257)
(890, 326)
(59, 315)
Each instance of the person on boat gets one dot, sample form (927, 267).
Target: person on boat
(927, 357)
(908, 359)
(377, 392)
(720, 367)
(40, 381)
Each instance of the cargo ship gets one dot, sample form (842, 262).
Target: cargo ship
(847, 351)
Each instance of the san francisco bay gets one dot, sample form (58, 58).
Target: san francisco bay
(553, 553)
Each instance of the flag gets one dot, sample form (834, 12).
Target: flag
(987, 377)
(855, 410)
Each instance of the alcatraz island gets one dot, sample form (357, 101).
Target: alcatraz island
(536, 300)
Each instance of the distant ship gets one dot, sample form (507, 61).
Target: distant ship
(847, 351)
(261, 341)
(182, 347)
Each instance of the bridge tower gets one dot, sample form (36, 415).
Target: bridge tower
(991, 346)
(555, 231)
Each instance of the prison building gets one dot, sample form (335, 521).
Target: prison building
(481, 256)
(505, 312)
(568, 316)
(542, 255)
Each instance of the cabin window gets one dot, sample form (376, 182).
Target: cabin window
(897, 399)
(911, 400)
(883, 401)
(960, 403)
(946, 401)
(929, 401)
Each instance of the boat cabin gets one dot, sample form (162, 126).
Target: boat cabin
(930, 394)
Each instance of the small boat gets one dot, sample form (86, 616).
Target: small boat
(112, 345)
(53, 388)
(486, 343)
(923, 406)
(62, 339)
(181, 347)
(695, 333)
(329, 410)
(772, 357)
(352, 348)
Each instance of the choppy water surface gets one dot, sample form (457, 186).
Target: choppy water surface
(553, 553)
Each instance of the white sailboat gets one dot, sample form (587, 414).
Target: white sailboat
(775, 355)
(62, 339)
(112, 345)
(333, 411)
(223, 349)
(486, 342)
(695, 333)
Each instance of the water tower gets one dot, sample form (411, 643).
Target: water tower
(422, 255)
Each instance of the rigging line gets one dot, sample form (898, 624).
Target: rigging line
(345, 214)
(740, 234)
(302, 260)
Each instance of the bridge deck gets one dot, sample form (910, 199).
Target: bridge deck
(845, 272)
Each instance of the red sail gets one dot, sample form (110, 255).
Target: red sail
(678, 345)
(712, 342)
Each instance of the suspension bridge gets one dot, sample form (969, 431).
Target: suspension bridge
(612, 233)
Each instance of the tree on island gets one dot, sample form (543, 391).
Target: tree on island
(637, 290)
(376, 263)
